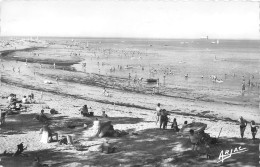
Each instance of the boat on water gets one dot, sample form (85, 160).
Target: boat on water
(151, 80)
(128, 67)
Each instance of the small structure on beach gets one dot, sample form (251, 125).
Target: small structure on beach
(196, 126)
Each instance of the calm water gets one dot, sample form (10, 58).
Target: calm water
(229, 60)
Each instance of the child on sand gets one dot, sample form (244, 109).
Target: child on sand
(243, 124)
(43, 117)
(84, 111)
(104, 115)
(254, 128)
(194, 138)
(175, 125)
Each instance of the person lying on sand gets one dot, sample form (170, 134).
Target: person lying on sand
(243, 124)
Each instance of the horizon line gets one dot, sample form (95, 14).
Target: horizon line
(146, 38)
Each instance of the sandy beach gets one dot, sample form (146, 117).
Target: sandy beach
(78, 72)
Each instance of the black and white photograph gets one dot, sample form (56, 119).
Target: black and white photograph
(129, 83)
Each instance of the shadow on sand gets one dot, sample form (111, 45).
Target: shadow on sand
(150, 147)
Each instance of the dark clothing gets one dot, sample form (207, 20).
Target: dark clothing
(175, 126)
(163, 121)
(242, 126)
(84, 111)
(253, 129)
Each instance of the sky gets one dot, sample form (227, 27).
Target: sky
(130, 18)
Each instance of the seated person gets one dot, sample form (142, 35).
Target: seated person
(14, 99)
(12, 105)
(43, 117)
(84, 111)
(47, 134)
(31, 98)
(9, 99)
(25, 100)
(53, 111)
(175, 125)
(21, 108)
(185, 124)
(104, 115)
(106, 93)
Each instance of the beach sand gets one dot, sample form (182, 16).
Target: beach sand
(129, 108)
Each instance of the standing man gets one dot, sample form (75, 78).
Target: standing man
(243, 124)
(158, 113)
(243, 88)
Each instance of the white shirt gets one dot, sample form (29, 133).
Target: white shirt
(24, 100)
(158, 109)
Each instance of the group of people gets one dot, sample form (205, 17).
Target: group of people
(162, 118)
(84, 111)
(243, 124)
(13, 102)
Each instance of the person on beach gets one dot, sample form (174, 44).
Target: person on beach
(25, 100)
(104, 92)
(104, 115)
(243, 88)
(84, 111)
(41, 94)
(43, 117)
(185, 124)
(163, 119)
(175, 125)
(153, 91)
(10, 97)
(194, 138)
(47, 134)
(57, 80)
(158, 110)
(254, 128)
(243, 124)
